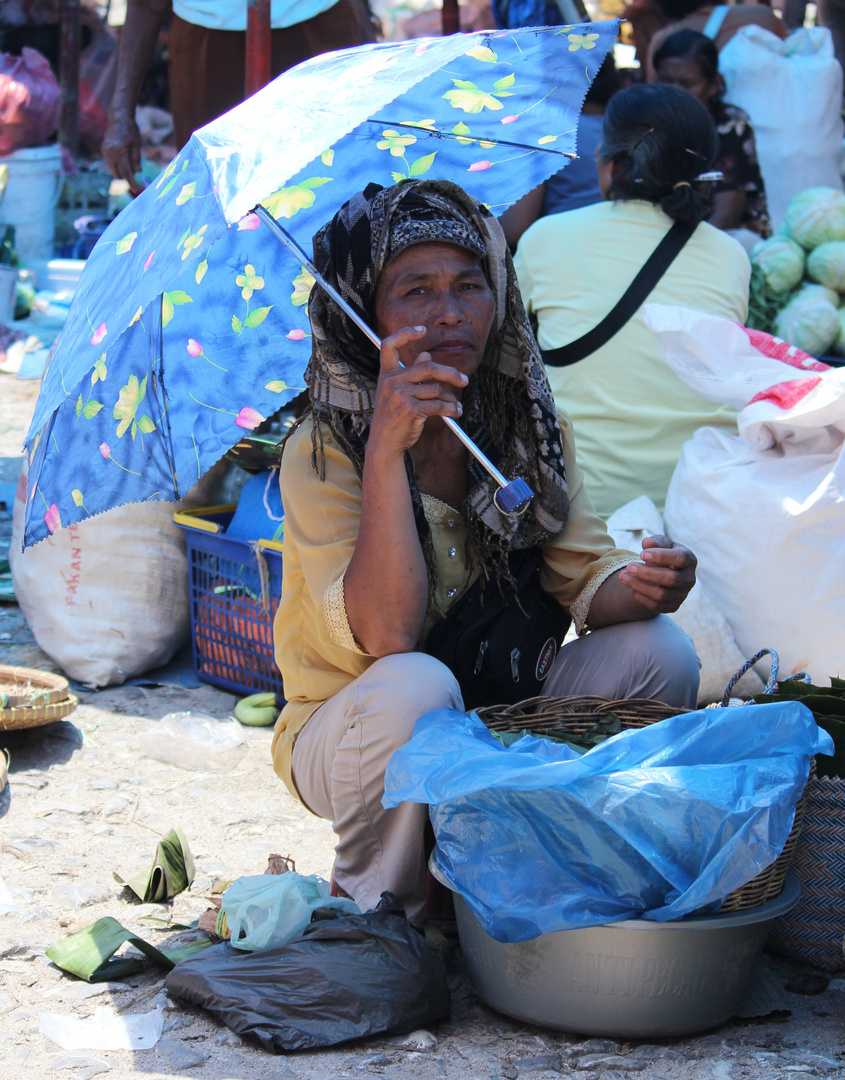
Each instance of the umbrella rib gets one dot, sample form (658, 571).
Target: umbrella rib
(438, 134)
(518, 486)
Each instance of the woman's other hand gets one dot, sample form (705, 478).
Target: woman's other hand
(665, 577)
(410, 390)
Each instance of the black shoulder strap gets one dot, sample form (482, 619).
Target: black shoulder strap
(637, 292)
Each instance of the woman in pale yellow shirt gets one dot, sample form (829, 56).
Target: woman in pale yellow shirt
(389, 521)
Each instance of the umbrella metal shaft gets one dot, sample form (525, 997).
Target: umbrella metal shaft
(293, 247)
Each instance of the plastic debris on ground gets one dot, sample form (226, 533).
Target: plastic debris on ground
(346, 977)
(106, 1030)
(192, 740)
(653, 823)
(269, 910)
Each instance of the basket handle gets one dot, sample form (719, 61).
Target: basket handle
(771, 685)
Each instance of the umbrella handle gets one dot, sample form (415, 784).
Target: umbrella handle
(514, 495)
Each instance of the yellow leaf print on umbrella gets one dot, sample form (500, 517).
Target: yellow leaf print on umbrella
(288, 201)
(303, 283)
(472, 99)
(395, 143)
(126, 408)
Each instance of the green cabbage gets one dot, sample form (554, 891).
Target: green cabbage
(816, 216)
(809, 322)
(839, 345)
(826, 264)
(820, 292)
(782, 263)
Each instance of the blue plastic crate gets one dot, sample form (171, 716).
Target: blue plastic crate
(236, 586)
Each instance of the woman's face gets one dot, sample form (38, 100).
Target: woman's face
(443, 288)
(687, 75)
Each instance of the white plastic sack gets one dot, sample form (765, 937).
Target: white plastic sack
(698, 616)
(106, 599)
(765, 510)
(268, 910)
(792, 92)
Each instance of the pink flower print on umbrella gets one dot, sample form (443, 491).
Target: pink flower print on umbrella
(248, 418)
(52, 519)
(149, 261)
(195, 349)
(508, 119)
(295, 335)
(105, 450)
(479, 166)
(99, 334)
(249, 223)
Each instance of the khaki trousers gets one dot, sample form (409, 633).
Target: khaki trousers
(340, 756)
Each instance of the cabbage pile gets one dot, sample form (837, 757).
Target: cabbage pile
(798, 276)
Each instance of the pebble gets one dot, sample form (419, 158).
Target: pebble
(178, 1057)
(713, 1070)
(598, 1046)
(224, 1037)
(83, 1067)
(79, 894)
(820, 1062)
(115, 806)
(371, 1060)
(539, 1063)
(76, 991)
(612, 1061)
(417, 1040)
(103, 783)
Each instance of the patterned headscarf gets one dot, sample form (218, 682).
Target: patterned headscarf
(509, 410)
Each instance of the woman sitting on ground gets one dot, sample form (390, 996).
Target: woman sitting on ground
(389, 521)
(689, 60)
(630, 412)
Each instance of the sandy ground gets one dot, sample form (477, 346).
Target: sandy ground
(83, 802)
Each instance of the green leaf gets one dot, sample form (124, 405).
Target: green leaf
(188, 191)
(327, 158)
(78, 406)
(178, 297)
(237, 325)
(166, 309)
(126, 243)
(397, 177)
(422, 164)
(257, 317)
(134, 430)
(166, 188)
(185, 236)
(200, 271)
(460, 128)
(288, 201)
(276, 387)
(482, 53)
(546, 139)
(91, 409)
(504, 83)
(146, 424)
(76, 495)
(463, 84)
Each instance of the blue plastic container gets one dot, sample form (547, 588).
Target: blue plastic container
(235, 587)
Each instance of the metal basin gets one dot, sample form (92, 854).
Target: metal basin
(633, 979)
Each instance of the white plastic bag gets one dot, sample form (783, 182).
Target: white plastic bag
(106, 1030)
(272, 909)
(792, 92)
(193, 740)
(698, 616)
(764, 511)
(106, 599)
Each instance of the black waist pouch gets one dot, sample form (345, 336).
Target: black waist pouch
(501, 651)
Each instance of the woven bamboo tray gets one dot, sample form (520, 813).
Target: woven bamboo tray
(32, 698)
(576, 715)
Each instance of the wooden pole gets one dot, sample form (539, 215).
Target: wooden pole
(257, 45)
(69, 75)
(451, 17)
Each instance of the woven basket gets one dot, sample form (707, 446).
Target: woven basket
(20, 685)
(576, 715)
(813, 931)
(33, 698)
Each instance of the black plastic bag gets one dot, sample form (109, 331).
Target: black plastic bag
(346, 977)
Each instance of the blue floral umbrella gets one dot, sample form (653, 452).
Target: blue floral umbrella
(190, 322)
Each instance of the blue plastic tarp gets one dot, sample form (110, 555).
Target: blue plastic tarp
(654, 823)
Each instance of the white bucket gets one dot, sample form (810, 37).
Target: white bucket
(30, 185)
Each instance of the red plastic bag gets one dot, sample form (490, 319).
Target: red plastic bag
(30, 100)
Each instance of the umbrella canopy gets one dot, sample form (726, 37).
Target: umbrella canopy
(190, 322)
